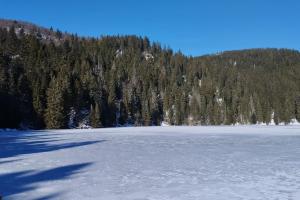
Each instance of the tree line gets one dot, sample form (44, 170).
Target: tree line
(129, 80)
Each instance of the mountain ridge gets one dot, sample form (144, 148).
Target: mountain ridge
(51, 34)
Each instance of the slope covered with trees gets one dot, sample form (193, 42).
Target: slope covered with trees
(61, 80)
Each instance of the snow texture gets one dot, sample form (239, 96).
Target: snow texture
(154, 163)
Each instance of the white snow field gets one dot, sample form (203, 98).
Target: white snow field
(155, 163)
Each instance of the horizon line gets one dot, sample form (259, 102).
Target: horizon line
(163, 45)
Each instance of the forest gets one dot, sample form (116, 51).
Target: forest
(50, 79)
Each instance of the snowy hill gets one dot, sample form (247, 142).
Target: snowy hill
(155, 163)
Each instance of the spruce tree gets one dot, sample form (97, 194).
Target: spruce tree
(95, 116)
(297, 106)
(55, 116)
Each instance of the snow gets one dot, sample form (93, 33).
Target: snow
(294, 122)
(72, 115)
(164, 123)
(15, 56)
(219, 101)
(148, 55)
(119, 53)
(84, 121)
(153, 163)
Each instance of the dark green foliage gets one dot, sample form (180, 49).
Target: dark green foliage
(95, 116)
(55, 112)
(127, 79)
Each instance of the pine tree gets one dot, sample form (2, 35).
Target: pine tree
(297, 106)
(55, 116)
(95, 116)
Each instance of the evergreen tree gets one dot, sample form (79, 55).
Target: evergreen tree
(55, 114)
(95, 116)
(297, 106)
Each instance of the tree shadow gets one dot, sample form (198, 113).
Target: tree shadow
(14, 144)
(18, 182)
(20, 143)
(9, 161)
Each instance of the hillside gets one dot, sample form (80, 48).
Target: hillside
(41, 33)
(53, 80)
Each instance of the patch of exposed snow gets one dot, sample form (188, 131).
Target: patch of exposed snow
(83, 125)
(219, 101)
(184, 78)
(84, 121)
(164, 123)
(294, 122)
(148, 55)
(72, 115)
(15, 56)
(119, 53)
(200, 83)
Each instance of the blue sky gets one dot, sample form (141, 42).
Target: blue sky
(195, 27)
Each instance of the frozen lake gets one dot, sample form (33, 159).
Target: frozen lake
(155, 163)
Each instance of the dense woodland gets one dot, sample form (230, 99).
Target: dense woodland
(72, 81)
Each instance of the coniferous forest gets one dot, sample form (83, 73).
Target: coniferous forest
(50, 79)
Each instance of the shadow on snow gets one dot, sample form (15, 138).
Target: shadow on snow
(18, 182)
(14, 144)
(19, 143)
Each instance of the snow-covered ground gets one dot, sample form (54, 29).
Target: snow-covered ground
(155, 163)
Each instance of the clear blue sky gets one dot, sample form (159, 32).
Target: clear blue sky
(195, 27)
